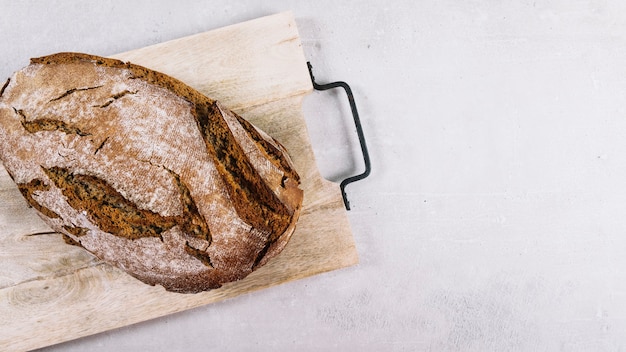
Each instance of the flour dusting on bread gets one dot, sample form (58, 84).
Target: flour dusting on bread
(145, 172)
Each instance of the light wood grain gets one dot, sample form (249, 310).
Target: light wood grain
(51, 292)
(240, 65)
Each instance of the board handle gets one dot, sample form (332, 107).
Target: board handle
(359, 131)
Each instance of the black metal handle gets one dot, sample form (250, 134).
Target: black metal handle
(359, 131)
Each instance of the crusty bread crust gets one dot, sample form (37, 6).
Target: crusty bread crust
(145, 172)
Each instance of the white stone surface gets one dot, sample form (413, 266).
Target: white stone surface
(494, 216)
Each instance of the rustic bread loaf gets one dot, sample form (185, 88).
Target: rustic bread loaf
(145, 172)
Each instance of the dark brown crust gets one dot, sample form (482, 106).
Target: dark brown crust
(192, 283)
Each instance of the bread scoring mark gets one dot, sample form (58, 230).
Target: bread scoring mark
(46, 124)
(252, 198)
(198, 254)
(114, 98)
(273, 154)
(192, 222)
(4, 86)
(71, 91)
(114, 214)
(106, 207)
(28, 189)
(100, 146)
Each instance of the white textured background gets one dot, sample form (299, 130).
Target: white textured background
(494, 218)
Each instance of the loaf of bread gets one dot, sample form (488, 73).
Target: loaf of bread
(145, 172)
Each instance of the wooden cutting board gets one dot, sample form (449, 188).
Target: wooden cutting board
(51, 292)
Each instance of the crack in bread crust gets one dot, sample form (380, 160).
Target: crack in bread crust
(72, 91)
(254, 201)
(28, 189)
(106, 207)
(198, 254)
(101, 145)
(272, 153)
(114, 97)
(114, 214)
(45, 124)
(191, 222)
